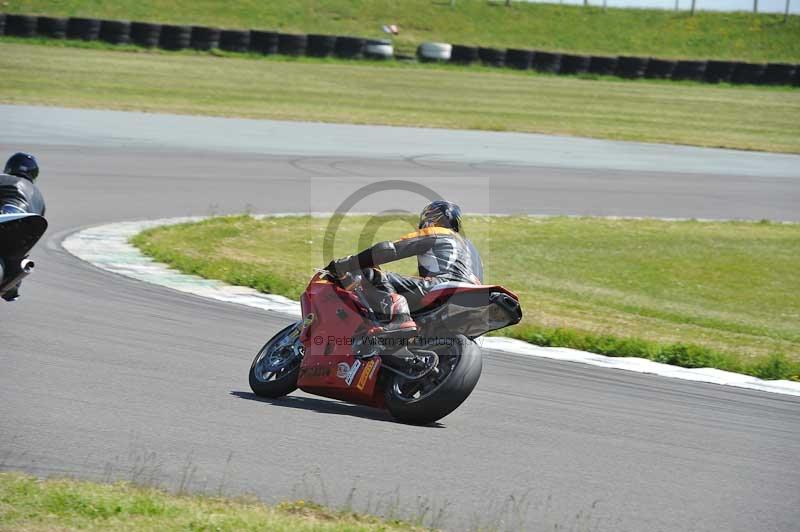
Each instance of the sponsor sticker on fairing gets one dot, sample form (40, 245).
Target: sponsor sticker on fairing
(366, 374)
(315, 371)
(347, 372)
(352, 373)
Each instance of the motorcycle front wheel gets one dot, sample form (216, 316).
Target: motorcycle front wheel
(423, 401)
(276, 366)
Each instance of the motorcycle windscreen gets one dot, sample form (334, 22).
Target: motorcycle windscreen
(11, 209)
(475, 313)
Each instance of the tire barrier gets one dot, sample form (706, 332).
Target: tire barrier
(778, 74)
(115, 31)
(519, 59)
(84, 29)
(463, 55)
(204, 38)
(659, 68)
(435, 51)
(234, 40)
(21, 25)
(631, 67)
(379, 49)
(602, 65)
(52, 27)
(718, 71)
(2, 23)
(546, 62)
(145, 34)
(292, 44)
(264, 42)
(493, 57)
(689, 70)
(178, 37)
(175, 37)
(574, 64)
(320, 45)
(349, 47)
(747, 73)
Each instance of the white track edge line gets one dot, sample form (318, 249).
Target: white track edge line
(107, 247)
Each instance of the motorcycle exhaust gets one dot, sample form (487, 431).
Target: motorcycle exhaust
(25, 268)
(393, 363)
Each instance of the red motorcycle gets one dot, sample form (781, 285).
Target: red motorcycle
(419, 377)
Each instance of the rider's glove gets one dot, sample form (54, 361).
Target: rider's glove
(349, 281)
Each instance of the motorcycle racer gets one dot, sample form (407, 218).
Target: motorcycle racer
(443, 255)
(18, 192)
(19, 195)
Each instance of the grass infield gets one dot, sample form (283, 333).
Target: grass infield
(592, 30)
(27, 503)
(694, 294)
(363, 92)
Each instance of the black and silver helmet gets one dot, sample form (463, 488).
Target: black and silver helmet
(441, 214)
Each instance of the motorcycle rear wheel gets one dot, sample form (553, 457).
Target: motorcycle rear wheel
(425, 400)
(276, 366)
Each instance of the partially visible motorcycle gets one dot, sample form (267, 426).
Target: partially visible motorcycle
(19, 232)
(418, 377)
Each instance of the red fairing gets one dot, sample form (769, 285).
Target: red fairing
(331, 322)
(333, 318)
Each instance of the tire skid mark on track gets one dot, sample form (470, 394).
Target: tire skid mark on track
(303, 164)
(325, 166)
(106, 247)
(340, 165)
(420, 161)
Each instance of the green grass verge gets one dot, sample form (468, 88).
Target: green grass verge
(743, 36)
(695, 294)
(744, 117)
(27, 503)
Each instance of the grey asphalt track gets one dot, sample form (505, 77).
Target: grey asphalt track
(108, 378)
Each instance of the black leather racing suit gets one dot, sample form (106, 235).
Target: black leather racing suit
(18, 193)
(21, 193)
(442, 255)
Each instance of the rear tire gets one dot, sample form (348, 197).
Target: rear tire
(278, 377)
(465, 357)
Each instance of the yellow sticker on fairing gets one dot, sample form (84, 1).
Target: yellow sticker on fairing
(365, 374)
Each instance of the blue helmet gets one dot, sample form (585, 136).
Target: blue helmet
(441, 214)
(23, 165)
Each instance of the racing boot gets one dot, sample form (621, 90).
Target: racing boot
(12, 294)
(394, 316)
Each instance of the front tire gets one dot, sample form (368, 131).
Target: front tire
(276, 366)
(423, 401)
